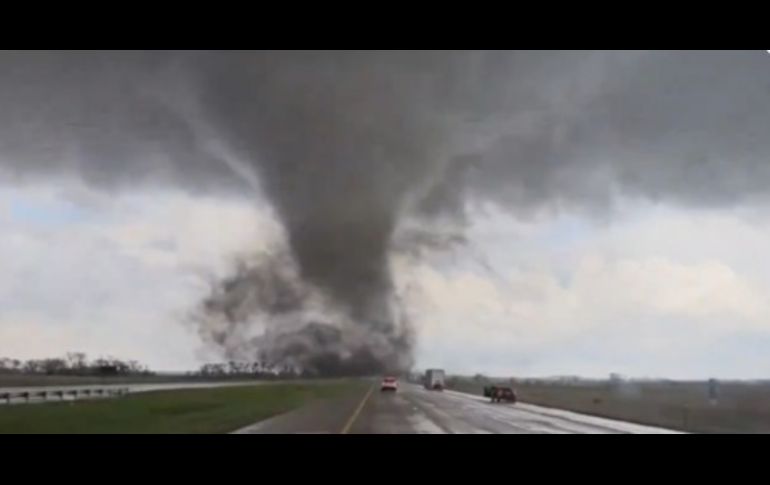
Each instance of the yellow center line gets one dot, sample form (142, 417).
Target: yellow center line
(355, 414)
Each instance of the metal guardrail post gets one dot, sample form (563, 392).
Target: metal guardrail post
(8, 397)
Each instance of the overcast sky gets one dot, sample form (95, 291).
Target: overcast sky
(627, 231)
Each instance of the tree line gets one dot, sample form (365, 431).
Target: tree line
(255, 369)
(73, 363)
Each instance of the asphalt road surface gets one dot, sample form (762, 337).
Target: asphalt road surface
(415, 410)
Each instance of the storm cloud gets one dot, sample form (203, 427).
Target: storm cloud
(364, 153)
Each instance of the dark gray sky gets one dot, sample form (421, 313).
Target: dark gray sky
(541, 126)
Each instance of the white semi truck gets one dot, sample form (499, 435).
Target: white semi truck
(434, 379)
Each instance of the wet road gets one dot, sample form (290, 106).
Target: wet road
(415, 410)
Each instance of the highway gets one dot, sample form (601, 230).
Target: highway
(411, 410)
(414, 410)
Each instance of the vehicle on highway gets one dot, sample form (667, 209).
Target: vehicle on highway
(500, 394)
(389, 384)
(434, 379)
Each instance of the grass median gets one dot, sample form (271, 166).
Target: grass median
(212, 410)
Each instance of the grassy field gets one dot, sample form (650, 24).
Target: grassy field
(742, 407)
(215, 410)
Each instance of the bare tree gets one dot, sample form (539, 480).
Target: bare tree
(77, 361)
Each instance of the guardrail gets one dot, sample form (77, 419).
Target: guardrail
(61, 394)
